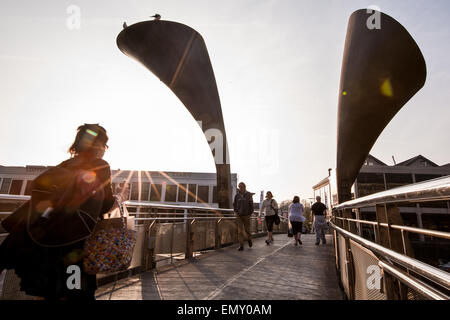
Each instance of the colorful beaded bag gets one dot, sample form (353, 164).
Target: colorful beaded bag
(110, 248)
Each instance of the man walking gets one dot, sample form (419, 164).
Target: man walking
(319, 211)
(243, 207)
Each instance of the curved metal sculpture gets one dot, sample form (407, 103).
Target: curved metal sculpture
(177, 55)
(381, 70)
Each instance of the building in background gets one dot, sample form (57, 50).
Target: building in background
(155, 186)
(376, 176)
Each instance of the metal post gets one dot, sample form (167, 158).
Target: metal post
(171, 242)
(350, 270)
(150, 249)
(190, 240)
(218, 235)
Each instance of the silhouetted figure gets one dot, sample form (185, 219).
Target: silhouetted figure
(243, 207)
(269, 206)
(84, 189)
(125, 25)
(296, 219)
(319, 211)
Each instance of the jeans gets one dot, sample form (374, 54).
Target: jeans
(243, 224)
(320, 225)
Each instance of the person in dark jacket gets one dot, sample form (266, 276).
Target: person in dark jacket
(44, 270)
(243, 207)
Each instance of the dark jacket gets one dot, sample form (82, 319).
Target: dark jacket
(42, 270)
(243, 203)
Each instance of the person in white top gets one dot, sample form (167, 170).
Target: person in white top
(296, 219)
(269, 206)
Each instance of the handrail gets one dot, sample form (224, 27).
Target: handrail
(183, 219)
(414, 283)
(431, 190)
(426, 232)
(434, 274)
(14, 197)
(133, 203)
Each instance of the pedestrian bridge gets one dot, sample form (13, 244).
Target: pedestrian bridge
(185, 252)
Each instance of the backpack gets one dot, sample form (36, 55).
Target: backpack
(64, 206)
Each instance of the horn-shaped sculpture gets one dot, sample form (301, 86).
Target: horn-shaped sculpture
(177, 55)
(381, 70)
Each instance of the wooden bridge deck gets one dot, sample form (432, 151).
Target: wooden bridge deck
(281, 271)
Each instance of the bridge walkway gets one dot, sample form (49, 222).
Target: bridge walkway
(281, 271)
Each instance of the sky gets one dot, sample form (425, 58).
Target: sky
(277, 66)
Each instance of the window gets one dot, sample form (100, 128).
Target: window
(28, 188)
(171, 193)
(214, 194)
(394, 180)
(182, 193)
(203, 194)
(424, 177)
(16, 187)
(369, 183)
(155, 193)
(145, 190)
(6, 183)
(134, 191)
(192, 192)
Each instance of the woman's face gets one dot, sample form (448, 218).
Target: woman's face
(100, 151)
(269, 195)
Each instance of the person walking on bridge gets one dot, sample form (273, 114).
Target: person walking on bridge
(319, 211)
(243, 207)
(42, 255)
(269, 206)
(296, 219)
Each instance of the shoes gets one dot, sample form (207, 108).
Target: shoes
(295, 243)
(267, 242)
(250, 243)
(300, 241)
(317, 243)
(240, 248)
(324, 242)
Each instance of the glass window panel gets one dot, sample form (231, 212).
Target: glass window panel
(192, 192)
(155, 193)
(370, 183)
(28, 188)
(394, 180)
(171, 193)
(5, 185)
(134, 191)
(16, 186)
(182, 193)
(145, 190)
(214, 194)
(203, 194)
(424, 177)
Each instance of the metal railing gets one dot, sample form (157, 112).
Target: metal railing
(184, 231)
(167, 233)
(400, 275)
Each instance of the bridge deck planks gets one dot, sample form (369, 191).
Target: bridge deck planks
(277, 272)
